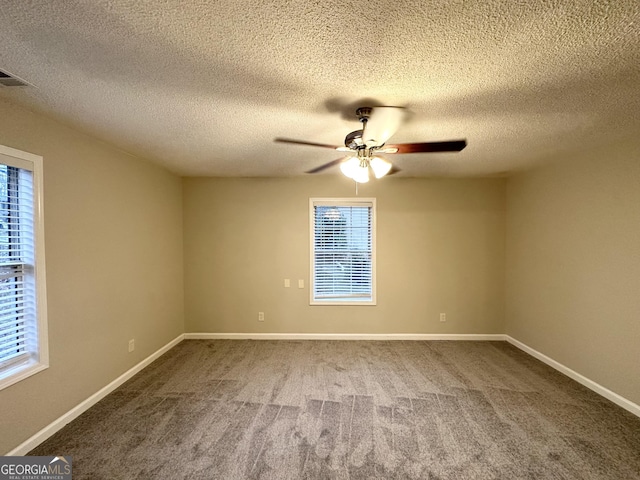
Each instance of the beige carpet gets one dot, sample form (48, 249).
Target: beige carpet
(236, 409)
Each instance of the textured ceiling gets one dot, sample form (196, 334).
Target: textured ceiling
(203, 87)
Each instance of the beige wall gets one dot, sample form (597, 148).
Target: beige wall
(113, 227)
(114, 246)
(440, 249)
(566, 248)
(573, 265)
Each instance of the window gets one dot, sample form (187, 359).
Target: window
(342, 251)
(23, 328)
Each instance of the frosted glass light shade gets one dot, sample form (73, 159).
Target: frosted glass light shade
(350, 167)
(379, 166)
(362, 174)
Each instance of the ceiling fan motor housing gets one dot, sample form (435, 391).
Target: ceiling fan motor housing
(354, 140)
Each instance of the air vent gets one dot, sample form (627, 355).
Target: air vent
(7, 80)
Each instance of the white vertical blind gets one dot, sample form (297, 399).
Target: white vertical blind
(18, 325)
(342, 257)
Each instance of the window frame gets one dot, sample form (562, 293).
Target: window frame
(341, 202)
(37, 359)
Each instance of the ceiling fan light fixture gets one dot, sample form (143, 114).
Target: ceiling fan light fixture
(356, 168)
(379, 166)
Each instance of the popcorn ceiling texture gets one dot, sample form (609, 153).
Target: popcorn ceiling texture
(203, 87)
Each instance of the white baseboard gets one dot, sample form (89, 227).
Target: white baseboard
(590, 384)
(342, 336)
(82, 407)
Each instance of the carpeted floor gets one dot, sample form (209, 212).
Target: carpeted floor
(236, 409)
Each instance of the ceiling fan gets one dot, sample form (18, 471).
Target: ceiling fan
(378, 125)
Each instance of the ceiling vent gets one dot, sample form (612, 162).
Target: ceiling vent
(7, 80)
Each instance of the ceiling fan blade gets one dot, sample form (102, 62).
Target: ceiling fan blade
(426, 147)
(311, 144)
(326, 165)
(382, 123)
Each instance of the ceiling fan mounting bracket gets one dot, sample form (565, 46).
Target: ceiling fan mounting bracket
(363, 114)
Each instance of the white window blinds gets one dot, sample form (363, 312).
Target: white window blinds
(342, 251)
(23, 343)
(17, 290)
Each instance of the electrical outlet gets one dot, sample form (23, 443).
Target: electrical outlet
(300, 283)
(261, 316)
(132, 345)
(443, 317)
(287, 283)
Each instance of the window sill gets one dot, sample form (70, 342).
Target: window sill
(20, 372)
(370, 303)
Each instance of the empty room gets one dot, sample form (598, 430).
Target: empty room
(320, 240)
